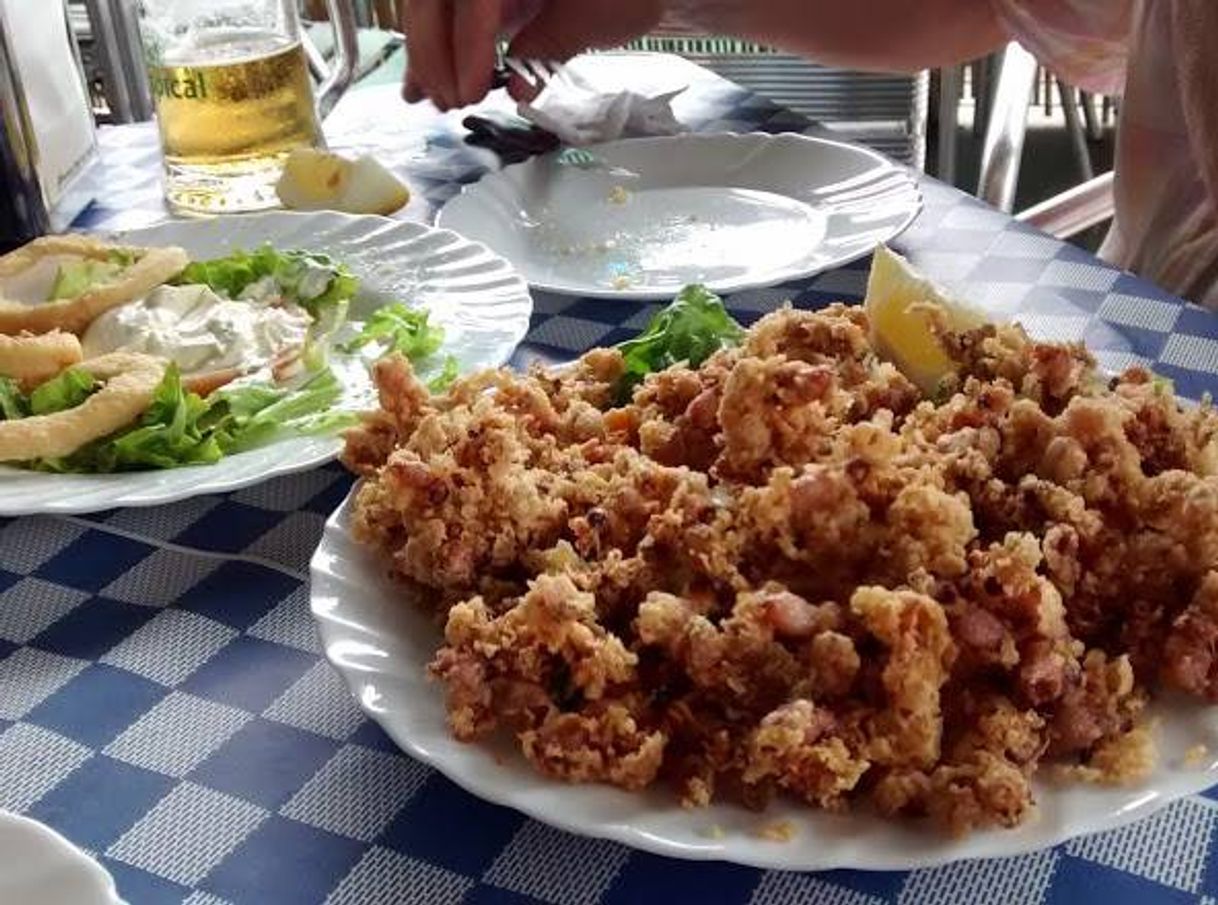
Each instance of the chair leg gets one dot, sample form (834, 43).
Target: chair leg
(1074, 128)
(1095, 129)
(1006, 128)
(949, 121)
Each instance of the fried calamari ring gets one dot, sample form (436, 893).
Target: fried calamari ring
(32, 359)
(130, 382)
(151, 268)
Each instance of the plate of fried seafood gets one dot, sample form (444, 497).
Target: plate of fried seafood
(201, 356)
(877, 586)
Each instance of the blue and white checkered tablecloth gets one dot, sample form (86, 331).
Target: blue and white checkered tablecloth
(164, 702)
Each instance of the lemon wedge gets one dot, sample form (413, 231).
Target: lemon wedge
(318, 180)
(897, 301)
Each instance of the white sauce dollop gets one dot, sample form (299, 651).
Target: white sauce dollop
(199, 330)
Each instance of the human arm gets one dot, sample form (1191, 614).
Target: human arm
(889, 35)
(451, 42)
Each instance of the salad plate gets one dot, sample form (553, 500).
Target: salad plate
(654, 214)
(39, 865)
(475, 296)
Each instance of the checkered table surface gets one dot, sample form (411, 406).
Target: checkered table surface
(164, 702)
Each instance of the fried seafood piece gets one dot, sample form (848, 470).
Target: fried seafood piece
(913, 631)
(675, 413)
(742, 660)
(991, 752)
(148, 268)
(31, 359)
(829, 524)
(1190, 653)
(832, 335)
(129, 382)
(794, 747)
(1103, 703)
(600, 743)
(1167, 435)
(593, 379)
(464, 494)
(1047, 373)
(404, 401)
(776, 411)
(1012, 617)
(541, 655)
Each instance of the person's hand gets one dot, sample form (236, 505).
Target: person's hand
(451, 43)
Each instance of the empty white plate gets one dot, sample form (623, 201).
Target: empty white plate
(730, 211)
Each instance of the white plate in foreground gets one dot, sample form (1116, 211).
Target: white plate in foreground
(481, 302)
(39, 865)
(730, 211)
(381, 645)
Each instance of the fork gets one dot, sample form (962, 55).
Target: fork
(541, 74)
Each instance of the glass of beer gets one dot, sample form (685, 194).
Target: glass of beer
(233, 94)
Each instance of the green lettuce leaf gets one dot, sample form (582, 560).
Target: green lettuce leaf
(167, 435)
(66, 391)
(407, 331)
(313, 281)
(13, 404)
(244, 417)
(690, 330)
(447, 375)
(402, 329)
(180, 428)
(75, 278)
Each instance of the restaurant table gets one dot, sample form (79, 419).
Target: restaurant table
(164, 702)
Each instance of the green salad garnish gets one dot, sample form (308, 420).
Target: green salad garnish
(312, 280)
(13, 404)
(180, 427)
(407, 331)
(691, 329)
(65, 391)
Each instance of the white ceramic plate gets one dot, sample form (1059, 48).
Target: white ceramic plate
(730, 211)
(483, 305)
(39, 865)
(381, 645)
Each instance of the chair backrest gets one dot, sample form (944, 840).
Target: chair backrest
(368, 13)
(886, 112)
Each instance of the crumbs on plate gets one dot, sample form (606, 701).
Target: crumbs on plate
(778, 831)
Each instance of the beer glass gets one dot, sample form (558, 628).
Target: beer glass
(231, 84)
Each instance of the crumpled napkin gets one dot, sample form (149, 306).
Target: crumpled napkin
(579, 115)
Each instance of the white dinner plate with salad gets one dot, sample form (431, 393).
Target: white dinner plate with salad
(477, 309)
(647, 216)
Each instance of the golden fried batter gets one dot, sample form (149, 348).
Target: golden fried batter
(785, 572)
(150, 268)
(31, 359)
(130, 381)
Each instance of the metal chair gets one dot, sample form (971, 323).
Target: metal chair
(1063, 215)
